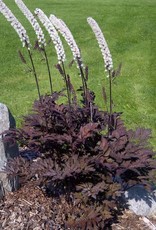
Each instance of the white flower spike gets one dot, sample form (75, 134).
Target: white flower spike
(53, 34)
(20, 30)
(66, 33)
(102, 44)
(33, 22)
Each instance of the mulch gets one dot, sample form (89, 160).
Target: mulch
(29, 209)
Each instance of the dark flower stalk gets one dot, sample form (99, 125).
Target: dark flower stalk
(84, 83)
(67, 84)
(48, 67)
(110, 104)
(35, 74)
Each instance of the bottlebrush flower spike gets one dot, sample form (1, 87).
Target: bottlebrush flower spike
(33, 22)
(20, 30)
(53, 34)
(66, 33)
(102, 44)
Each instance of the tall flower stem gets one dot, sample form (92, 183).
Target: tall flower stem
(48, 67)
(37, 84)
(110, 103)
(84, 84)
(67, 85)
(107, 61)
(35, 74)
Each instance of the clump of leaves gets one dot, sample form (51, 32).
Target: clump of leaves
(75, 160)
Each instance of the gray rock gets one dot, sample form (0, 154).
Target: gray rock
(6, 121)
(140, 201)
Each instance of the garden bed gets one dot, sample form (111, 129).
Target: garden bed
(29, 208)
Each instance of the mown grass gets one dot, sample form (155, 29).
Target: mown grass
(129, 28)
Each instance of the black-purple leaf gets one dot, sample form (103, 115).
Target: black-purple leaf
(71, 63)
(22, 57)
(58, 66)
(86, 73)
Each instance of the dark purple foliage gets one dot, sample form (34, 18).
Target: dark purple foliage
(76, 160)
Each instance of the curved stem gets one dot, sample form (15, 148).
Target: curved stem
(67, 85)
(84, 84)
(110, 103)
(36, 79)
(110, 93)
(48, 67)
(35, 74)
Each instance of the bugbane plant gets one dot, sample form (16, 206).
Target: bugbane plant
(41, 42)
(77, 163)
(68, 152)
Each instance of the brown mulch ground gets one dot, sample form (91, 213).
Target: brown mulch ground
(29, 209)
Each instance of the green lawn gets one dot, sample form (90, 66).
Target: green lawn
(129, 28)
